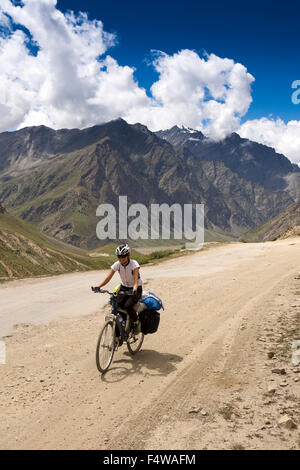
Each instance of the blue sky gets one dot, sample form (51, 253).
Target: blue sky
(261, 35)
(223, 67)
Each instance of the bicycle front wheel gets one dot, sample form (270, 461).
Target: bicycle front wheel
(105, 346)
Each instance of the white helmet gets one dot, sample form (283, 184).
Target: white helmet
(123, 250)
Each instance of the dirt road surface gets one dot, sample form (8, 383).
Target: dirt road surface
(205, 380)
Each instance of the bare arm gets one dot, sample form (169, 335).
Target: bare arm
(107, 279)
(135, 278)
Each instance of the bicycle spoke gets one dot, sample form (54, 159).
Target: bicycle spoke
(105, 347)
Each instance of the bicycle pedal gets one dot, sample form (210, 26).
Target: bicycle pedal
(136, 329)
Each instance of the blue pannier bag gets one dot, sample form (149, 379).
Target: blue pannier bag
(151, 301)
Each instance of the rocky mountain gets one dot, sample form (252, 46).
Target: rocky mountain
(248, 160)
(181, 136)
(30, 146)
(56, 179)
(253, 179)
(286, 223)
(59, 192)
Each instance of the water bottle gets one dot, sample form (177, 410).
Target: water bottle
(121, 321)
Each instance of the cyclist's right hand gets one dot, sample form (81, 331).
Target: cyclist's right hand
(96, 289)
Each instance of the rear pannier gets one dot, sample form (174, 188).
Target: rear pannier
(149, 321)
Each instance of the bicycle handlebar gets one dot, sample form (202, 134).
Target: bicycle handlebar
(98, 290)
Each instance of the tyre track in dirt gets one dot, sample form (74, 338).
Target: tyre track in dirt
(206, 360)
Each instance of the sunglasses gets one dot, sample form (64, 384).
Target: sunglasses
(124, 256)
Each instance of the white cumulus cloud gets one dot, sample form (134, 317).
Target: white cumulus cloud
(69, 80)
(209, 94)
(283, 137)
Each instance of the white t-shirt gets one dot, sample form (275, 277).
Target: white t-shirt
(126, 273)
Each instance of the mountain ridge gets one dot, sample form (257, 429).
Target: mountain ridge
(59, 192)
(251, 160)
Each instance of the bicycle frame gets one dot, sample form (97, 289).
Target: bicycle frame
(113, 316)
(116, 309)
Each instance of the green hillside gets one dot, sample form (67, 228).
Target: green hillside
(26, 252)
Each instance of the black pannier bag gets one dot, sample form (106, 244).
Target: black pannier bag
(149, 321)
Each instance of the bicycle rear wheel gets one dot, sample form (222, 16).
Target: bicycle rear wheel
(134, 342)
(106, 346)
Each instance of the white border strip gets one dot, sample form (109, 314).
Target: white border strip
(2, 352)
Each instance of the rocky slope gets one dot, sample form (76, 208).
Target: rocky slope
(285, 224)
(30, 146)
